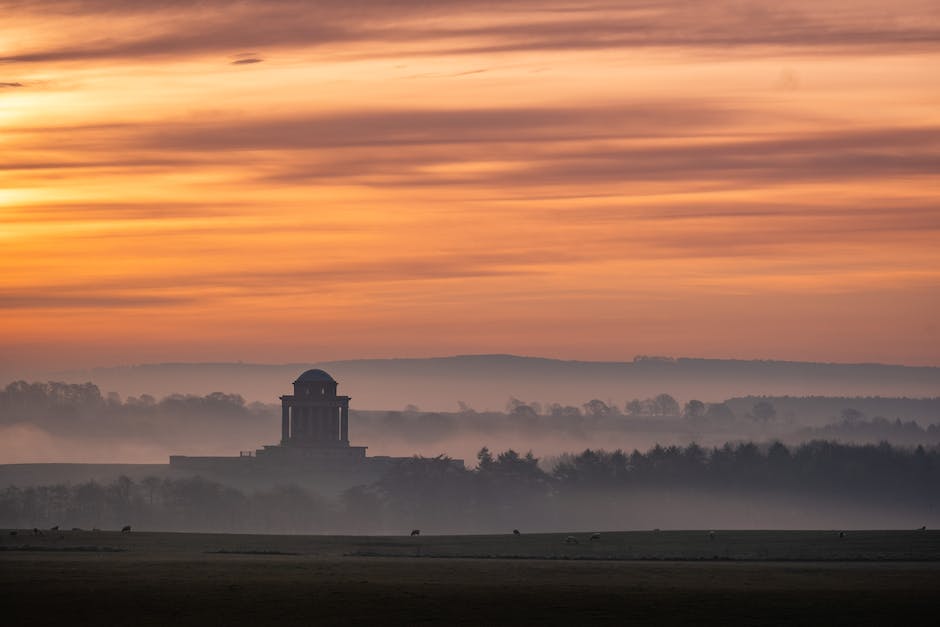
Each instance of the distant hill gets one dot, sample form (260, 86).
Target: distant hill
(487, 381)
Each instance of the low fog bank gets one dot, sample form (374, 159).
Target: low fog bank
(61, 422)
(485, 381)
(819, 485)
(822, 462)
(551, 429)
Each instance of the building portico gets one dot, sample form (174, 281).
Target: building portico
(314, 415)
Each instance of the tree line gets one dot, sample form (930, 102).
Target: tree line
(178, 423)
(80, 409)
(505, 490)
(56, 402)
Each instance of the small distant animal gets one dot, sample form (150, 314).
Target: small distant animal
(56, 528)
(515, 532)
(126, 529)
(37, 532)
(711, 535)
(571, 540)
(595, 536)
(416, 532)
(841, 534)
(924, 528)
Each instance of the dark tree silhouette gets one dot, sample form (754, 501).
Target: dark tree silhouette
(597, 408)
(665, 405)
(694, 409)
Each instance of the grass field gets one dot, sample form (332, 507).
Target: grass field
(671, 577)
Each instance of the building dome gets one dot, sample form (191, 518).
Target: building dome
(314, 375)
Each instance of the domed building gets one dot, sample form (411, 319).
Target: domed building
(314, 450)
(315, 420)
(314, 434)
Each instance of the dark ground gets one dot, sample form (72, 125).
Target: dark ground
(105, 578)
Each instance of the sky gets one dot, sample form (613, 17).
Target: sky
(287, 181)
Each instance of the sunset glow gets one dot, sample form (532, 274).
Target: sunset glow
(289, 181)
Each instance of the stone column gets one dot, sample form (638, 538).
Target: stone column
(285, 422)
(344, 423)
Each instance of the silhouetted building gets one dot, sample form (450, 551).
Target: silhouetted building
(314, 439)
(315, 421)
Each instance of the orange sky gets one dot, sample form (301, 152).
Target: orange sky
(291, 181)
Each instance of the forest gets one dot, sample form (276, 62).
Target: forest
(742, 485)
(651, 462)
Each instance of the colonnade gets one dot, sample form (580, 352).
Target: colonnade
(314, 423)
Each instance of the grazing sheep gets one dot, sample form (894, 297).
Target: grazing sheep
(416, 532)
(571, 540)
(126, 529)
(515, 532)
(595, 536)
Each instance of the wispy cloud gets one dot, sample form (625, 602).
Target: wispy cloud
(536, 146)
(419, 28)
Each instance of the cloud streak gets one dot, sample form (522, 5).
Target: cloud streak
(383, 29)
(537, 147)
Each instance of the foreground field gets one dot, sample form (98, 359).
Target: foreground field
(103, 578)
